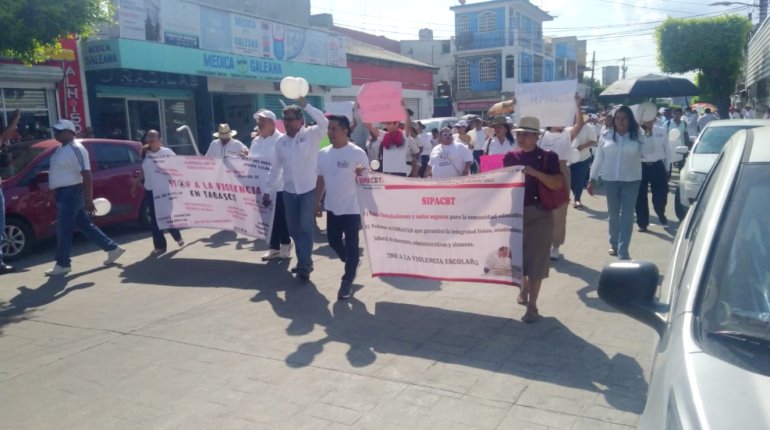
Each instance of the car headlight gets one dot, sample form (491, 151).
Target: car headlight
(695, 178)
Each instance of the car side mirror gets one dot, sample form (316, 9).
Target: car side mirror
(682, 150)
(40, 177)
(630, 286)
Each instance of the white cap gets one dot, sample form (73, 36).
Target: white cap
(461, 123)
(64, 124)
(264, 113)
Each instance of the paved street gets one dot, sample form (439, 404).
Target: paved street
(209, 336)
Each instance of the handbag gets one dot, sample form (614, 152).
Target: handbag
(551, 199)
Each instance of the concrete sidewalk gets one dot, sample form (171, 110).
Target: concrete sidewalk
(211, 337)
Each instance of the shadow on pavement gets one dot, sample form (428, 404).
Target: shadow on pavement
(590, 277)
(546, 351)
(412, 284)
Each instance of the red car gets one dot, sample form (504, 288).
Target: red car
(30, 207)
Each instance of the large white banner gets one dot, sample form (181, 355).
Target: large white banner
(553, 103)
(212, 193)
(456, 229)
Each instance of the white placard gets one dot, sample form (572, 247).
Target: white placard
(340, 108)
(553, 103)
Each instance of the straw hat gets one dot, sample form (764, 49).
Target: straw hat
(224, 130)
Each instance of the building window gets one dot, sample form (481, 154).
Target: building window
(463, 76)
(510, 66)
(463, 25)
(487, 22)
(488, 70)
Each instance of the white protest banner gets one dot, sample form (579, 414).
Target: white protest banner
(553, 103)
(455, 229)
(224, 194)
(340, 108)
(381, 102)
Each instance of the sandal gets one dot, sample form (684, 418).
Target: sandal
(530, 316)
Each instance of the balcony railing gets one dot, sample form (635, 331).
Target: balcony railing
(490, 39)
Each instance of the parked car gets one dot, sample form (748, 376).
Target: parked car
(711, 367)
(30, 206)
(439, 123)
(704, 151)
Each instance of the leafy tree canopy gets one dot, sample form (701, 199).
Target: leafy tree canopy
(32, 28)
(715, 47)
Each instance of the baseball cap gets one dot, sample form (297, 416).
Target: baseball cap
(264, 113)
(64, 124)
(461, 123)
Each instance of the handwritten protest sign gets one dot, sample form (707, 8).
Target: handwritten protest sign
(381, 102)
(456, 229)
(491, 162)
(340, 108)
(224, 194)
(553, 103)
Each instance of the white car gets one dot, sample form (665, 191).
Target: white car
(704, 151)
(711, 366)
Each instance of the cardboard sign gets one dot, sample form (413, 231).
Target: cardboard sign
(553, 103)
(381, 102)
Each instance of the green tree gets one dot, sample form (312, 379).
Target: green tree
(32, 28)
(715, 47)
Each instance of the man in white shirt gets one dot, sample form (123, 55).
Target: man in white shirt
(296, 162)
(478, 140)
(692, 124)
(676, 122)
(706, 118)
(263, 148)
(338, 165)
(224, 145)
(450, 158)
(656, 163)
(70, 178)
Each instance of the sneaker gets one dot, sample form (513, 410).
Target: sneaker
(554, 253)
(113, 255)
(58, 270)
(303, 275)
(285, 251)
(180, 242)
(271, 254)
(345, 291)
(158, 251)
(642, 229)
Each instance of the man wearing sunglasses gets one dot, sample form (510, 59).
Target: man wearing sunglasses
(450, 158)
(296, 161)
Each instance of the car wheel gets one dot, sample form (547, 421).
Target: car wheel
(17, 239)
(144, 216)
(679, 208)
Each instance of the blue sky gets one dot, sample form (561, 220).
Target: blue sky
(613, 28)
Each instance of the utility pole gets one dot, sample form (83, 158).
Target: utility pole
(593, 69)
(624, 68)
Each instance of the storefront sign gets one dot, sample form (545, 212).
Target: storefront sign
(181, 22)
(460, 229)
(72, 88)
(145, 79)
(101, 54)
(479, 105)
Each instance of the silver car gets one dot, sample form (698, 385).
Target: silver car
(711, 367)
(705, 150)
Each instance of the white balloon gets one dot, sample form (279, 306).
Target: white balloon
(103, 206)
(374, 164)
(647, 112)
(674, 134)
(290, 88)
(303, 86)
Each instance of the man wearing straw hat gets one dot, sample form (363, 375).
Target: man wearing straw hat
(224, 145)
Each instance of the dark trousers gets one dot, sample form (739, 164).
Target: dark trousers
(71, 215)
(578, 175)
(279, 234)
(654, 176)
(423, 165)
(476, 167)
(348, 226)
(158, 239)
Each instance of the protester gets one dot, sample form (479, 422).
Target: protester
(583, 142)
(296, 161)
(152, 150)
(677, 123)
(337, 168)
(692, 124)
(540, 166)
(478, 139)
(618, 163)
(70, 179)
(559, 140)
(656, 162)
(224, 145)
(704, 119)
(426, 146)
(263, 148)
(462, 133)
(450, 158)
(394, 147)
(502, 141)
(5, 139)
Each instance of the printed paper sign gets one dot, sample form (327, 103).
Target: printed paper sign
(553, 103)
(491, 162)
(224, 194)
(381, 102)
(455, 229)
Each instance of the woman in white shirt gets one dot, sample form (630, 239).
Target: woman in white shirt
(618, 162)
(153, 149)
(502, 141)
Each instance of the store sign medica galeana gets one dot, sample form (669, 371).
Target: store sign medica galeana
(239, 67)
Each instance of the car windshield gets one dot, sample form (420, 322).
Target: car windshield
(15, 158)
(430, 124)
(736, 297)
(713, 139)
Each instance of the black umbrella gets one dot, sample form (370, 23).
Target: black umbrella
(651, 86)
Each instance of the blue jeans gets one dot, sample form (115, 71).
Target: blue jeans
(2, 224)
(158, 239)
(348, 226)
(71, 213)
(621, 202)
(300, 216)
(579, 177)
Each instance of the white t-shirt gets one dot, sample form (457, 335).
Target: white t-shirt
(394, 159)
(426, 141)
(148, 165)
(67, 164)
(494, 146)
(232, 148)
(478, 139)
(263, 148)
(447, 161)
(587, 134)
(560, 143)
(338, 168)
